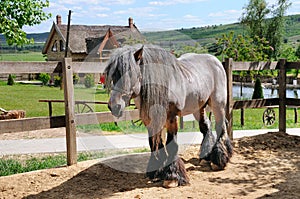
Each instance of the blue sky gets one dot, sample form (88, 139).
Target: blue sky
(150, 15)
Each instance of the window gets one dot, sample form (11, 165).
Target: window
(54, 47)
(62, 46)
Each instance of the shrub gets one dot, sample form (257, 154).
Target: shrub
(89, 81)
(75, 79)
(258, 91)
(57, 81)
(44, 78)
(10, 80)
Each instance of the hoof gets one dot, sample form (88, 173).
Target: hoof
(170, 183)
(204, 162)
(215, 167)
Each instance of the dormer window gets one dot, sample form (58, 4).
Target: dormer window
(54, 47)
(62, 45)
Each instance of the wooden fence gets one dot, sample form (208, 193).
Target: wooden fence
(67, 67)
(282, 65)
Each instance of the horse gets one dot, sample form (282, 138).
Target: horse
(164, 87)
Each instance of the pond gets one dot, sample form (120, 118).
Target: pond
(268, 92)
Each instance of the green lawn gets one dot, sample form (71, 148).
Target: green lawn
(26, 97)
(26, 56)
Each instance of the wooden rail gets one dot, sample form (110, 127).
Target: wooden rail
(38, 123)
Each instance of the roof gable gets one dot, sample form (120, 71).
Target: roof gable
(80, 33)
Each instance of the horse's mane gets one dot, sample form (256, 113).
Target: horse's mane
(121, 61)
(157, 67)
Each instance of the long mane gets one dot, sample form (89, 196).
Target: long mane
(157, 68)
(120, 62)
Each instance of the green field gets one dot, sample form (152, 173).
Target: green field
(25, 56)
(26, 97)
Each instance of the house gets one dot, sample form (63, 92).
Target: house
(89, 43)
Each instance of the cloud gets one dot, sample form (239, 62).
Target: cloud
(99, 8)
(139, 11)
(117, 2)
(226, 13)
(172, 2)
(101, 15)
(191, 18)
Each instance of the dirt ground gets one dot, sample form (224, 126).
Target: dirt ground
(264, 166)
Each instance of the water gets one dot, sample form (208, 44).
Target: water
(268, 93)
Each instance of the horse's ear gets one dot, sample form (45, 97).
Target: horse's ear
(138, 54)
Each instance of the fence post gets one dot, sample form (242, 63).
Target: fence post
(181, 123)
(229, 106)
(282, 95)
(69, 111)
(242, 117)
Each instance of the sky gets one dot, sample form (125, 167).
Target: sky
(149, 15)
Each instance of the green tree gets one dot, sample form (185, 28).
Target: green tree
(257, 18)
(254, 17)
(10, 80)
(242, 48)
(44, 78)
(276, 27)
(14, 15)
(258, 91)
(89, 81)
(297, 53)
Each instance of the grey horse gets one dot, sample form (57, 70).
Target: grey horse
(163, 88)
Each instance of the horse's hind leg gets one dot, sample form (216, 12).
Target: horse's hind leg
(209, 139)
(174, 171)
(222, 150)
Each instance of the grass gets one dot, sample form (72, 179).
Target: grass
(18, 164)
(26, 97)
(26, 56)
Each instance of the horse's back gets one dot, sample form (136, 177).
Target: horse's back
(209, 75)
(201, 59)
(203, 63)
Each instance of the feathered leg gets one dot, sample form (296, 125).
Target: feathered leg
(174, 171)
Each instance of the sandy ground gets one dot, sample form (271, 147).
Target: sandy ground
(263, 166)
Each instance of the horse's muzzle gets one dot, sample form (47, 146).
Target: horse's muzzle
(116, 110)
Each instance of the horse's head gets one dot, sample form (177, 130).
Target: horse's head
(123, 78)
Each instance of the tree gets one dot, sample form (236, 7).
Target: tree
(14, 15)
(276, 27)
(242, 48)
(257, 18)
(258, 91)
(254, 17)
(298, 52)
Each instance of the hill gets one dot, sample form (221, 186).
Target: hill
(207, 34)
(39, 40)
(38, 37)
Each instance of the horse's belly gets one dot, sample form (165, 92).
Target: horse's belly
(192, 105)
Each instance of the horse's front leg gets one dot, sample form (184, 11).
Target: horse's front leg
(157, 157)
(174, 171)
